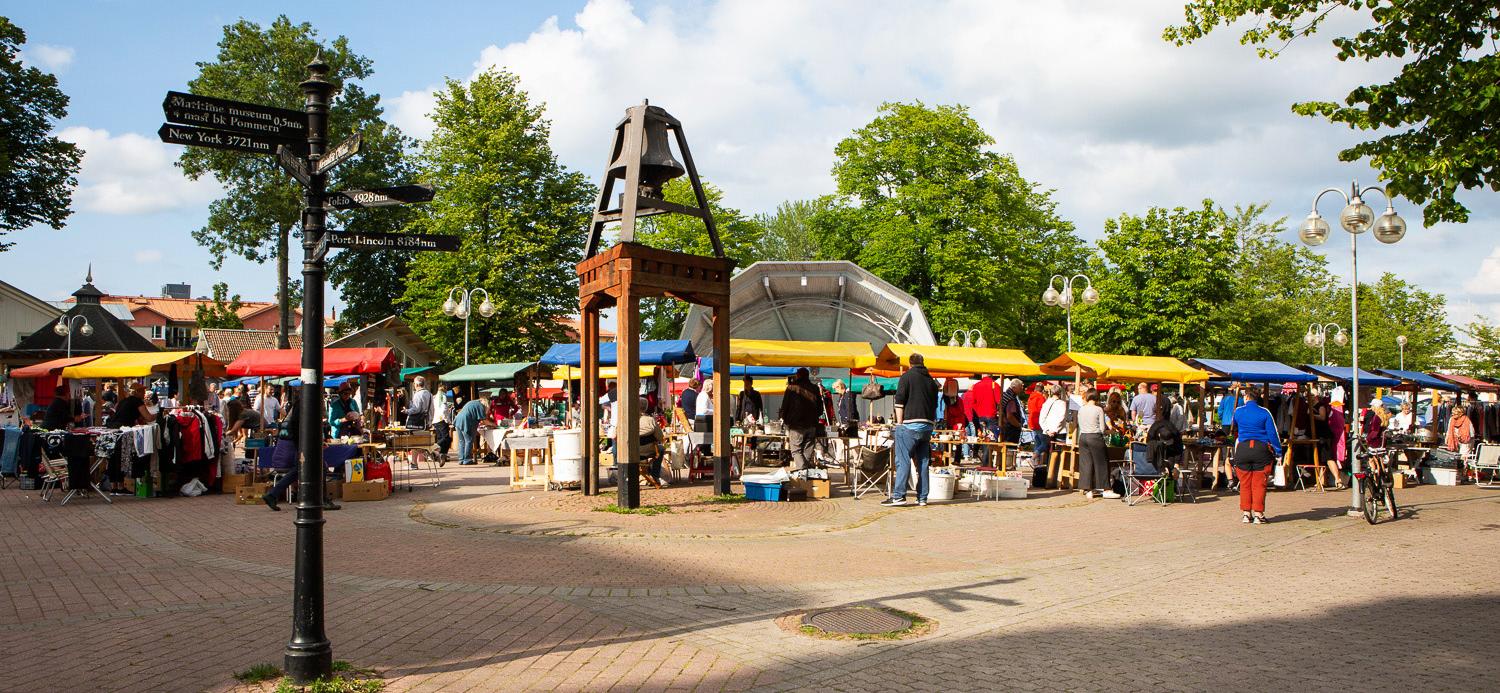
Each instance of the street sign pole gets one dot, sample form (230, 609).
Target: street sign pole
(309, 654)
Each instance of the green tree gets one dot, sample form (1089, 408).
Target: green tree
(924, 204)
(37, 171)
(1162, 285)
(1479, 357)
(661, 318)
(372, 283)
(223, 313)
(262, 207)
(1438, 111)
(1281, 288)
(1389, 308)
(521, 216)
(789, 233)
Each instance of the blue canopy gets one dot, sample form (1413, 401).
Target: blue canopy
(1421, 380)
(334, 381)
(706, 367)
(657, 353)
(1256, 371)
(1344, 374)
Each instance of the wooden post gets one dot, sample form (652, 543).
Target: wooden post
(722, 413)
(588, 393)
(627, 373)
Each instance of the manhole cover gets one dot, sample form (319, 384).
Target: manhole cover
(856, 621)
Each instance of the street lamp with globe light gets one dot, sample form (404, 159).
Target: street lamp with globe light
(970, 339)
(461, 309)
(1064, 298)
(1317, 337)
(1355, 218)
(65, 328)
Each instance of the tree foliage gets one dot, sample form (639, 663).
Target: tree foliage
(1280, 289)
(741, 236)
(1438, 111)
(926, 205)
(262, 207)
(1389, 308)
(1166, 286)
(37, 171)
(1480, 356)
(789, 234)
(521, 216)
(223, 313)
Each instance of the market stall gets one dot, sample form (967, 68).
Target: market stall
(1124, 368)
(772, 352)
(337, 361)
(32, 385)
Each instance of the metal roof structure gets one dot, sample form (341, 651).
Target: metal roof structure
(814, 301)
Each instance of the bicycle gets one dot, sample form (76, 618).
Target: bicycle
(1376, 485)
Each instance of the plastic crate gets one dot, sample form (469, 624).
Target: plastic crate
(774, 493)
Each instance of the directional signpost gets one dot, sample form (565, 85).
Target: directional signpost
(379, 197)
(296, 139)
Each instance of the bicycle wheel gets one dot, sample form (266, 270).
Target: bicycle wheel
(1367, 499)
(1390, 500)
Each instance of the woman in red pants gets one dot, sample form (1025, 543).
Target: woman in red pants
(1255, 453)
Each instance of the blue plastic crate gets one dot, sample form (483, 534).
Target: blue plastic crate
(765, 492)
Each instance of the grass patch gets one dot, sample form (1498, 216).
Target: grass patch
(333, 685)
(643, 510)
(725, 498)
(258, 673)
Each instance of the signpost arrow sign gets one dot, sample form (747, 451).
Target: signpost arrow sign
(378, 197)
(235, 116)
(292, 164)
(393, 241)
(215, 139)
(338, 154)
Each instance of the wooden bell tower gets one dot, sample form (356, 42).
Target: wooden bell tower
(621, 276)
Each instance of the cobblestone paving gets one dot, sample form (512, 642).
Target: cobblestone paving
(472, 587)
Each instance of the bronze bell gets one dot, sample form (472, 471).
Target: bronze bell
(657, 164)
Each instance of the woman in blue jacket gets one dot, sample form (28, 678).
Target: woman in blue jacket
(1256, 450)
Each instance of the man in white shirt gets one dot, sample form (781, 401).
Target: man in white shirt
(269, 407)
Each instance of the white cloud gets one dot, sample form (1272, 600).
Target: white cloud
(147, 256)
(1086, 95)
(1486, 282)
(47, 57)
(131, 174)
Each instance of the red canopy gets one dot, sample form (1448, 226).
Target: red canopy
(283, 362)
(53, 367)
(1468, 383)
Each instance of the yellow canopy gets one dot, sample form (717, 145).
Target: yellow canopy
(772, 386)
(140, 365)
(966, 360)
(1117, 368)
(772, 352)
(605, 372)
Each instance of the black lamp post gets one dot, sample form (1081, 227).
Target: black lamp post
(309, 655)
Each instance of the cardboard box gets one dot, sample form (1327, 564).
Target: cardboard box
(233, 482)
(814, 488)
(333, 489)
(373, 490)
(250, 494)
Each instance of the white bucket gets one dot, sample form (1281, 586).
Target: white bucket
(940, 486)
(567, 456)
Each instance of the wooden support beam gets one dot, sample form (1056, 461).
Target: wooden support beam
(627, 362)
(723, 412)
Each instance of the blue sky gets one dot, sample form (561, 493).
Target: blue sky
(1084, 93)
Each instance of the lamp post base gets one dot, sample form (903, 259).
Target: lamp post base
(308, 662)
(1355, 512)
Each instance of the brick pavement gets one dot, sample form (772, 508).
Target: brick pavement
(454, 589)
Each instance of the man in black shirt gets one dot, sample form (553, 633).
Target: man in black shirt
(61, 413)
(750, 403)
(916, 410)
(800, 409)
(1011, 419)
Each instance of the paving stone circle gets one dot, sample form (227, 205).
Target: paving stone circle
(856, 621)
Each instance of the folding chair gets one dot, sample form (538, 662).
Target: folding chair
(873, 471)
(1486, 458)
(1136, 471)
(54, 476)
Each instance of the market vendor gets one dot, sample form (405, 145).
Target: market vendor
(467, 423)
(749, 403)
(343, 413)
(62, 413)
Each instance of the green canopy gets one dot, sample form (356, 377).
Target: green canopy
(487, 371)
(409, 372)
